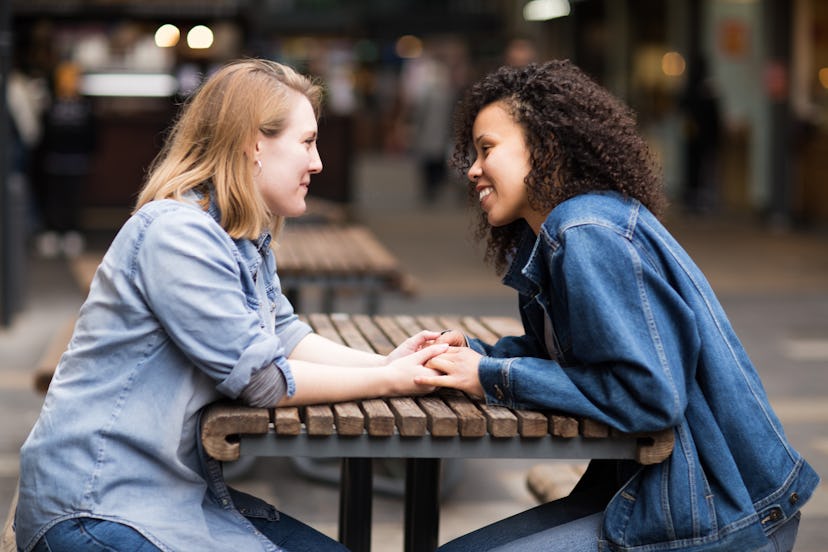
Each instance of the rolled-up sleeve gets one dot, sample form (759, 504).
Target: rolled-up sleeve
(187, 270)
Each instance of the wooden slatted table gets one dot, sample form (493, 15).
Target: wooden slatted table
(423, 430)
(333, 257)
(337, 258)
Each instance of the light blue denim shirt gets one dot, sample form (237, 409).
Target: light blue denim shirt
(622, 327)
(172, 322)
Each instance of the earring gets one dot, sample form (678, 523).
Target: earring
(259, 165)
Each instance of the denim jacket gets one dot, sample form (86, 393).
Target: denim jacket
(622, 327)
(172, 322)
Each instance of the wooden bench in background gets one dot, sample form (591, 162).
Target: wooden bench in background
(422, 430)
(8, 543)
(48, 361)
(337, 258)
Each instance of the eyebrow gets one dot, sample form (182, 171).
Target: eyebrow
(480, 137)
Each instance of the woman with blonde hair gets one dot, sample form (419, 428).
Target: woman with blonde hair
(185, 309)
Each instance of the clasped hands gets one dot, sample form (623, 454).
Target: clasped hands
(451, 362)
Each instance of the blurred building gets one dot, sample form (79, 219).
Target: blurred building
(766, 71)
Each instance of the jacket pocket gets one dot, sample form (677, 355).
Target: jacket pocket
(664, 503)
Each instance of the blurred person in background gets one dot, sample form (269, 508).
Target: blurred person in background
(702, 138)
(620, 327)
(26, 97)
(69, 141)
(186, 309)
(428, 99)
(520, 52)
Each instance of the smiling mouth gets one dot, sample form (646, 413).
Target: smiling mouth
(484, 193)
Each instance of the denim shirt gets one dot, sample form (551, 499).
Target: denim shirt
(172, 323)
(622, 327)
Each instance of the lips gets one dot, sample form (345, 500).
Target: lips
(483, 193)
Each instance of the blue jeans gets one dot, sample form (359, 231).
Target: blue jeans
(556, 527)
(96, 535)
(570, 524)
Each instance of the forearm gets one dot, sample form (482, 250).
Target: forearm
(316, 349)
(323, 383)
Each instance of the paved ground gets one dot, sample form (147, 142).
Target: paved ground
(774, 285)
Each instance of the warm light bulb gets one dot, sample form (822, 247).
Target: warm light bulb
(200, 37)
(167, 36)
(673, 64)
(409, 47)
(823, 77)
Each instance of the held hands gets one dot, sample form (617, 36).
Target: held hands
(438, 359)
(413, 344)
(456, 368)
(407, 371)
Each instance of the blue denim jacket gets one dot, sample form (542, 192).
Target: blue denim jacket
(172, 322)
(622, 327)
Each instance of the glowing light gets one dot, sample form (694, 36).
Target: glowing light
(156, 85)
(543, 10)
(409, 47)
(673, 64)
(200, 37)
(823, 77)
(167, 36)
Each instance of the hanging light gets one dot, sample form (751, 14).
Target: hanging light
(200, 37)
(167, 36)
(543, 10)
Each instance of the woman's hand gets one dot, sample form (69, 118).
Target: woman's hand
(454, 338)
(412, 344)
(406, 371)
(457, 368)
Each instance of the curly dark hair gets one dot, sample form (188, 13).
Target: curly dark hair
(581, 139)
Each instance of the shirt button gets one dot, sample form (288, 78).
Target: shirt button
(794, 498)
(498, 392)
(775, 515)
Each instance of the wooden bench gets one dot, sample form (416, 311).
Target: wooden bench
(8, 542)
(48, 361)
(336, 258)
(422, 430)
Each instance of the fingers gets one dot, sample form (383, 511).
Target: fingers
(425, 354)
(452, 337)
(435, 380)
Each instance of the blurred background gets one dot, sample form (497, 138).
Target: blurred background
(731, 94)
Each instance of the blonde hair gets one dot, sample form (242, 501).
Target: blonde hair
(216, 131)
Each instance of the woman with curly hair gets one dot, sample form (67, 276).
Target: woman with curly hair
(620, 326)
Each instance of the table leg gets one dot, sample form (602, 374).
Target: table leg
(372, 301)
(328, 298)
(355, 494)
(422, 504)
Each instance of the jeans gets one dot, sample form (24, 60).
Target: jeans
(97, 535)
(550, 527)
(570, 524)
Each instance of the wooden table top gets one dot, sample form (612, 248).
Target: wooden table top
(445, 414)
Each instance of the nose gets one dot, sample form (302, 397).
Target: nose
(474, 171)
(315, 166)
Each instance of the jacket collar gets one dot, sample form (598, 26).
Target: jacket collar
(525, 273)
